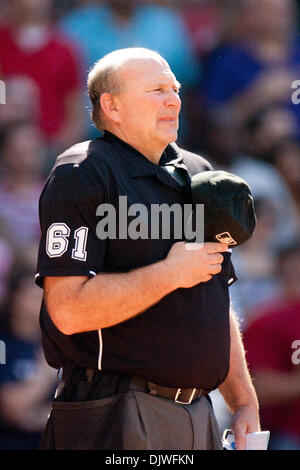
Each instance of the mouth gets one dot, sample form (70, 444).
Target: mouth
(167, 119)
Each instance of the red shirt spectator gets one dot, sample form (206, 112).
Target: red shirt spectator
(44, 56)
(269, 341)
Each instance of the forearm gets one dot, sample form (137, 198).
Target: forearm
(77, 304)
(238, 389)
(108, 299)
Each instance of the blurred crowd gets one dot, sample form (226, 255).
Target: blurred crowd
(238, 62)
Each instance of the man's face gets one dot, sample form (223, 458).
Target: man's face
(149, 103)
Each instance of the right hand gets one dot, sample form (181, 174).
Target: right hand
(190, 267)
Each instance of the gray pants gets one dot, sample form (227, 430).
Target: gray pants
(131, 419)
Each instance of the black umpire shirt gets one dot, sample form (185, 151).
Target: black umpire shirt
(181, 341)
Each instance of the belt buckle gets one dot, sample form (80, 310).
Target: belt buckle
(184, 402)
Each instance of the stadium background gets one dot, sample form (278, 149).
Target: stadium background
(237, 62)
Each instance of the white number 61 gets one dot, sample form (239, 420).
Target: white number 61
(57, 241)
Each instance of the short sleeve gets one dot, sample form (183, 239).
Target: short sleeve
(232, 276)
(228, 268)
(69, 245)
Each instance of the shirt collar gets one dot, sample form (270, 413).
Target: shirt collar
(138, 165)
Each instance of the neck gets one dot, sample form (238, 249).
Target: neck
(152, 154)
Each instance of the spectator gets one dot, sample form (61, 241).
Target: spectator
(26, 383)
(32, 48)
(269, 341)
(20, 183)
(117, 24)
(259, 67)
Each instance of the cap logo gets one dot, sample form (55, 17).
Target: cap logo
(225, 237)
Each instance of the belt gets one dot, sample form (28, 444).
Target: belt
(183, 396)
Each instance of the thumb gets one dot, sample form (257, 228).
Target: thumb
(240, 442)
(240, 437)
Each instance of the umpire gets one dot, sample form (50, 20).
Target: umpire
(139, 326)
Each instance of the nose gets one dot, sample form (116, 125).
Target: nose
(172, 99)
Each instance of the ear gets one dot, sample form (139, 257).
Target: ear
(109, 106)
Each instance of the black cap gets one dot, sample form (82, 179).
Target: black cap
(229, 214)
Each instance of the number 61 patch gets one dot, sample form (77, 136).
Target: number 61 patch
(57, 241)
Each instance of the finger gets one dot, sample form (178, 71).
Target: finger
(216, 247)
(216, 258)
(215, 268)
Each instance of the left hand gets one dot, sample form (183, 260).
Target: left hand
(245, 420)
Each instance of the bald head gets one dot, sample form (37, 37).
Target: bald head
(106, 76)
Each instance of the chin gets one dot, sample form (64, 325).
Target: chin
(170, 137)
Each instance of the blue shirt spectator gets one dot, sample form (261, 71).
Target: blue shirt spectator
(232, 68)
(98, 32)
(258, 67)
